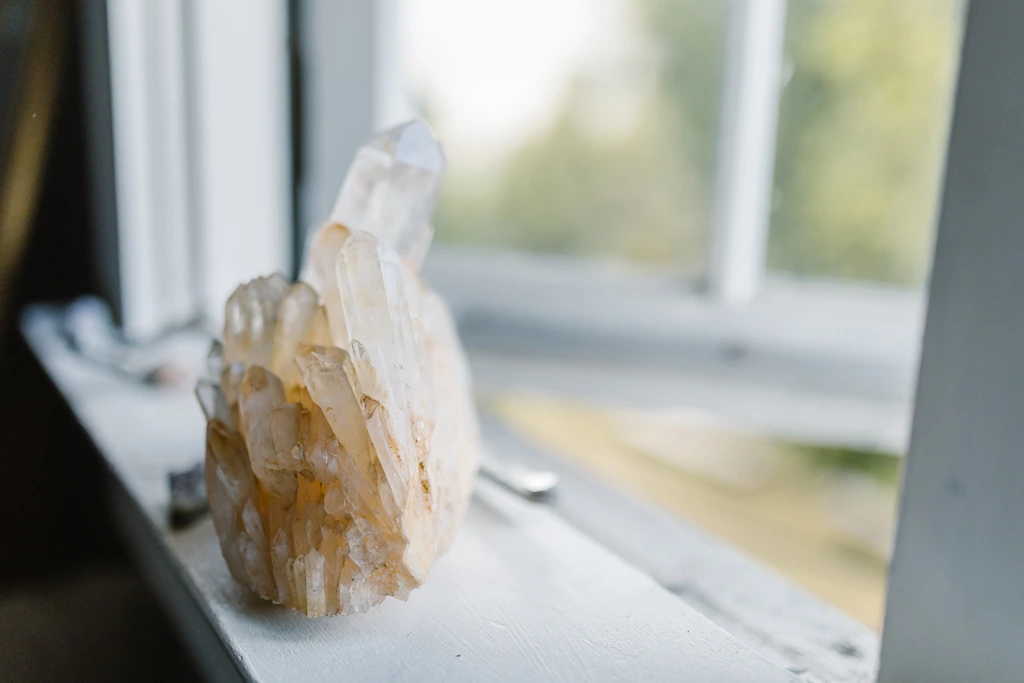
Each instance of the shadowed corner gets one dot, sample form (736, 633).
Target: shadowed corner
(72, 606)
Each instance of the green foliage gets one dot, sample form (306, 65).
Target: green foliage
(640, 195)
(861, 136)
(884, 467)
(572, 192)
(860, 145)
(689, 37)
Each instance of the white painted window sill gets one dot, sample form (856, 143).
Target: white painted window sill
(522, 595)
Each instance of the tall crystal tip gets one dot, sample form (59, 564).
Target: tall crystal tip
(412, 143)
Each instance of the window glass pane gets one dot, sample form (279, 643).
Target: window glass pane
(862, 132)
(576, 127)
(588, 130)
(823, 517)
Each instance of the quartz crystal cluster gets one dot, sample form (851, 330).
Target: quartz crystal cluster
(342, 441)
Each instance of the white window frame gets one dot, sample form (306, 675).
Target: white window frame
(954, 602)
(748, 119)
(192, 98)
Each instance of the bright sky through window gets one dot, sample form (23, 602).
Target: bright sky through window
(491, 74)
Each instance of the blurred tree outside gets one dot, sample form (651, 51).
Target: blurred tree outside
(860, 146)
(862, 136)
(587, 186)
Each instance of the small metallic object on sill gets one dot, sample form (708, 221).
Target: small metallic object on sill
(527, 482)
(188, 495)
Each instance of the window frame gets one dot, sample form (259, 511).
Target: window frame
(836, 360)
(187, 108)
(746, 150)
(954, 600)
(947, 530)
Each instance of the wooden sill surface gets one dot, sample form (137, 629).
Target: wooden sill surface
(522, 594)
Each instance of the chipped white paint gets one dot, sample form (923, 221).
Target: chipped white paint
(521, 596)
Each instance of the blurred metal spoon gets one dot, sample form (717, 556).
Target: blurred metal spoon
(518, 478)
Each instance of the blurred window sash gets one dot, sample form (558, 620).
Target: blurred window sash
(187, 108)
(746, 150)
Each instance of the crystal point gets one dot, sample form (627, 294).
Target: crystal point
(342, 440)
(391, 189)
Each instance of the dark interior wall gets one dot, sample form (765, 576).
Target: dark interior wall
(72, 606)
(50, 492)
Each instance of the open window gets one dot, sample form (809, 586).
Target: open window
(687, 243)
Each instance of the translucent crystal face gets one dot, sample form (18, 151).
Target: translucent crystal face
(391, 189)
